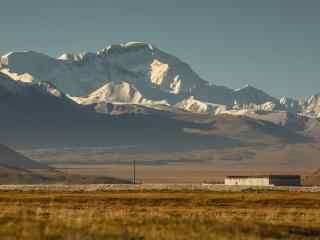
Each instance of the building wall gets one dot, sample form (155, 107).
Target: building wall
(285, 181)
(250, 181)
(264, 181)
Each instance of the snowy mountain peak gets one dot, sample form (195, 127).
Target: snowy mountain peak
(284, 100)
(196, 106)
(77, 57)
(119, 95)
(245, 87)
(251, 95)
(22, 56)
(125, 47)
(289, 104)
(138, 72)
(138, 45)
(80, 74)
(9, 85)
(26, 65)
(67, 57)
(311, 106)
(115, 92)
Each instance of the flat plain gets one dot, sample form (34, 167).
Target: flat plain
(141, 214)
(156, 166)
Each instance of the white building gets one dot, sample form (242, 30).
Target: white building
(264, 180)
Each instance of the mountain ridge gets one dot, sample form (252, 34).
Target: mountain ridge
(141, 64)
(129, 79)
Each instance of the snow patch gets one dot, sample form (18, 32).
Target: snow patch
(116, 92)
(193, 105)
(25, 77)
(158, 72)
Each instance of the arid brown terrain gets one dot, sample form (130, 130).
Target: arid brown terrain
(159, 215)
(207, 165)
(15, 168)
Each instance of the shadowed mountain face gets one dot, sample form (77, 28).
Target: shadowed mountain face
(150, 91)
(155, 74)
(14, 168)
(48, 121)
(18, 169)
(135, 100)
(137, 72)
(10, 175)
(34, 114)
(12, 159)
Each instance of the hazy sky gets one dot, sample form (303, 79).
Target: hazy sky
(271, 44)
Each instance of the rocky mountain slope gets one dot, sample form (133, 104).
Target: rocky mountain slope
(141, 73)
(311, 106)
(129, 93)
(157, 75)
(39, 114)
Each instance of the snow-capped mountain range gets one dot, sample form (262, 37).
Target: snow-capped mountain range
(140, 74)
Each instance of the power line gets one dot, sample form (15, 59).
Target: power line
(134, 171)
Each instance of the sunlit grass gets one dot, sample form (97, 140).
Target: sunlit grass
(159, 215)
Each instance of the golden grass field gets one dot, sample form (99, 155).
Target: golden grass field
(159, 215)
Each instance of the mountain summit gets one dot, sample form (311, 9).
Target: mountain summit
(141, 73)
(155, 73)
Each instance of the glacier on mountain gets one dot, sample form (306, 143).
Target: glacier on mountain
(140, 73)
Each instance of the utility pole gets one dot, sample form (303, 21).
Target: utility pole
(134, 171)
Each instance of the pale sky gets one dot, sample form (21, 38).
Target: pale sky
(270, 44)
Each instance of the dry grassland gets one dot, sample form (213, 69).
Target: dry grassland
(159, 215)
